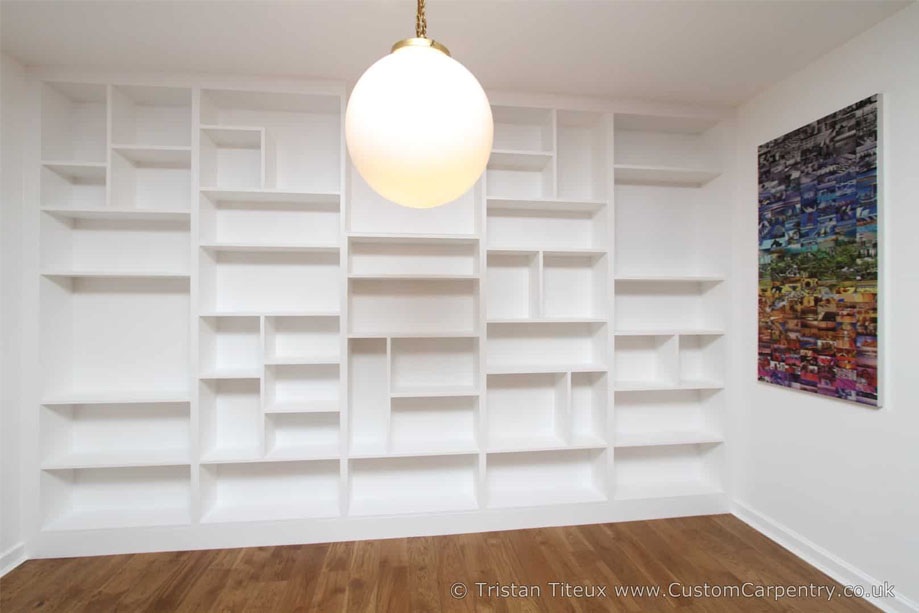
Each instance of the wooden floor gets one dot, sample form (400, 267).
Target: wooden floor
(418, 574)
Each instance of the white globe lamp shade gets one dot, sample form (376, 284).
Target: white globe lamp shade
(419, 126)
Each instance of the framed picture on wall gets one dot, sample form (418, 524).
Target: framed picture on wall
(818, 256)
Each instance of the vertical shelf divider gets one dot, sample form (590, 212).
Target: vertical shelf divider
(344, 323)
(481, 425)
(609, 187)
(194, 383)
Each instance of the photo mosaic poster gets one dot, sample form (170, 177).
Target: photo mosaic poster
(818, 256)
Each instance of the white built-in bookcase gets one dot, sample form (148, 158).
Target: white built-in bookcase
(235, 330)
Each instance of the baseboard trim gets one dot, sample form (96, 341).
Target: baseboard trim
(820, 558)
(12, 557)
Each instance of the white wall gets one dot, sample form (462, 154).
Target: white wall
(845, 478)
(12, 120)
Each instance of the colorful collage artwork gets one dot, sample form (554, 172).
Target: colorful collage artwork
(818, 256)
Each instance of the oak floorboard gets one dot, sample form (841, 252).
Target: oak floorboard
(415, 575)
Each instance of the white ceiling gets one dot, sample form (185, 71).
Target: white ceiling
(689, 51)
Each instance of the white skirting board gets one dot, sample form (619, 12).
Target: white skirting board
(12, 557)
(817, 556)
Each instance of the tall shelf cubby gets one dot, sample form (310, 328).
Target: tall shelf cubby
(669, 303)
(236, 329)
(114, 298)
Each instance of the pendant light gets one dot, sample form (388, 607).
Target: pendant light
(418, 124)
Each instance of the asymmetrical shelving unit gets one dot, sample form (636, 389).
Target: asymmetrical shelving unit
(236, 330)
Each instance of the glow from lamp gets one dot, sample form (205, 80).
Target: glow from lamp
(419, 126)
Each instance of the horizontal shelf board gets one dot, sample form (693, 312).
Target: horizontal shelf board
(256, 512)
(301, 360)
(231, 373)
(523, 250)
(670, 332)
(513, 369)
(507, 159)
(426, 502)
(584, 206)
(548, 320)
(155, 155)
(435, 392)
(327, 406)
(243, 456)
(268, 314)
(120, 459)
(432, 334)
(120, 518)
(269, 196)
(414, 277)
(666, 490)
(665, 438)
(78, 171)
(524, 444)
(464, 448)
(551, 494)
(304, 453)
(418, 239)
(626, 174)
(669, 278)
(256, 248)
(116, 274)
(113, 214)
(232, 455)
(235, 137)
(127, 397)
(656, 386)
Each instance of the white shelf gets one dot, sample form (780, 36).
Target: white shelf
(582, 206)
(97, 519)
(670, 332)
(652, 386)
(230, 373)
(304, 453)
(78, 171)
(118, 214)
(414, 277)
(559, 493)
(301, 360)
(663, 438)
(511, 250)
(154, 457)
(418, 451)
(325, 406)
(421, 239)
(434, 334)
(519, 160)
(627, 174)
(666, 490)
(270, 196)
(412, 504)
(233, 455)
(269, 314)
(115, 274)
(541, 443)
(434, 392)
(155, 155)
(108, 397)
(235, 137)
(669, 278)
(256, 512)
(548, 320)
(544, 368)
(267, 248)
